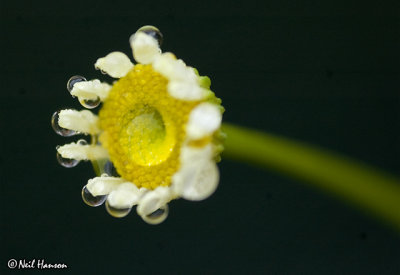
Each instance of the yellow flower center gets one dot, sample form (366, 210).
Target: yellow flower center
(144, 127)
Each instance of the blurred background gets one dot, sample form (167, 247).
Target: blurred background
(324, 73)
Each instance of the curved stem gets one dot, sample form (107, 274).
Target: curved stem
(371, 190)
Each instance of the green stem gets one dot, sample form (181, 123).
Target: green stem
(371, 190)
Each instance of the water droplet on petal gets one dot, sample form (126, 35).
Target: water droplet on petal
(58, 129)
(117, 212)
(110, 169)
(90, 103)
(82, 142)
(157, 216)
(91, 200)
(68, 163)
(153, 32)
(73, 80)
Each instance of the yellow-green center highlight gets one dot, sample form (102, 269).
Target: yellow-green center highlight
(150, 143)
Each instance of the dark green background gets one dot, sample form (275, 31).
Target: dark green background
(326, 73)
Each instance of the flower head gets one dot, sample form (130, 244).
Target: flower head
(156, 137)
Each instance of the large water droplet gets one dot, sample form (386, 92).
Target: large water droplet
(110, 169)
(117, 212)
(153, 32)
(90, 103)
(68, 163)
(157, 216)
(91, 200)
(73, 80)
(58, 129)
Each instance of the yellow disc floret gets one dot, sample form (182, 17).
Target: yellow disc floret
(144, 127)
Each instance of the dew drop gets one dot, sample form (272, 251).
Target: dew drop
(91, 200)
(153, 32)
(90, 103)
(73, 80)
(68, 163)
(58, 129)
(117, 212)
(157, 216)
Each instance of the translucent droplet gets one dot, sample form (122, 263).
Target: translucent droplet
(90, 103)
(117, 212)
(58, 129)
(73, 80)
(68, 163)
(91, 200)
(82, 142)
(157, 216)
(110, 169)
(153, 32)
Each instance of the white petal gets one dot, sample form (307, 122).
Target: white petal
(164, 64)
(125, 196)
(82, 152)
(153, 200)
(173, 69)
(196, 181)
(185, 90)
(145, 47)
(191, 154)
(115, 64)
(81, 121)
(203, 121)
(103, 185)
(90, 90)
(183, 81)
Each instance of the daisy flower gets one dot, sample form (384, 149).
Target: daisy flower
(157, 137)
(157, 134)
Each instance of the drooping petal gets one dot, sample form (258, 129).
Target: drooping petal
(196, 181)
(99, 186)
(153, 200)
(203, 121)
(124, 196)
(115, 64)
(145, 48)
(90, 90)
(82, 152)
(81, 121)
